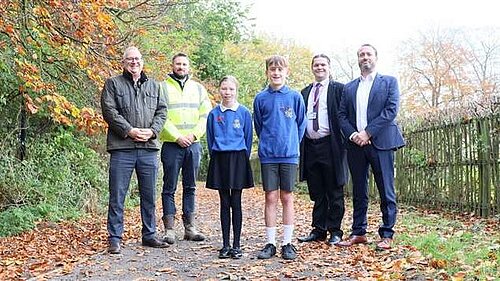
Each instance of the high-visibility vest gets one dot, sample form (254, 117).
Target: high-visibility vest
(187, 109)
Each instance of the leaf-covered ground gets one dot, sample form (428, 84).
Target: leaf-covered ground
(77, 251)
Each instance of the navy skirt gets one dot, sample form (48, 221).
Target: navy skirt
(229, 170)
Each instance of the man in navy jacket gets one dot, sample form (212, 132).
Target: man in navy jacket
(367, 114)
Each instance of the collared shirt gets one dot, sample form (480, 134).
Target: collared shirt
(182, 81)
(362, 95)
(233, 108)
(324, 126)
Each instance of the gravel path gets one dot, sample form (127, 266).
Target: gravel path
(186, 260)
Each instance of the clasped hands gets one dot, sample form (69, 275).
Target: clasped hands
(140, 134)
(361, 138)
(185, 141)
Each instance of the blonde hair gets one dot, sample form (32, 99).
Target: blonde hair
(276, 60)
(231, 79)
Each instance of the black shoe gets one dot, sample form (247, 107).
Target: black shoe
(154, 243)
(236, 253)
(225, 252)
(268, 252)
(114, 247)
(288, 252)
(334, 239)
(315, 235)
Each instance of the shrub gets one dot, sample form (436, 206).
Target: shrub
(59, 179)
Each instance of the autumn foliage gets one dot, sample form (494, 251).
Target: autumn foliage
(56, 54)
(53, 45)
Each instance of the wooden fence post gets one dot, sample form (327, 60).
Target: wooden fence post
(484, 162)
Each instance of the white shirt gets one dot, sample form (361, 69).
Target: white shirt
(233, 108)
(324, 126)
(362, 95)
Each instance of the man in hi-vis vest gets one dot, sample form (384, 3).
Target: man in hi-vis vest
(188, 107)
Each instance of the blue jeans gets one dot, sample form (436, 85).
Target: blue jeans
(122, 164)
(175, 158)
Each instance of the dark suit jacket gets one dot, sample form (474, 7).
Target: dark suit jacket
(383, 106)
(337, 141)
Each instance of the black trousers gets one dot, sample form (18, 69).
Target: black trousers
(328, 197)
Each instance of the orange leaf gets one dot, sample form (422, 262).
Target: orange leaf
(31, 108)
(438, 264)
(9, 29)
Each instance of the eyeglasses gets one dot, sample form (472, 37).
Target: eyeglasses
(133, 59)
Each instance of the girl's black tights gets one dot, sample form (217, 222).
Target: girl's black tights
(230, 202)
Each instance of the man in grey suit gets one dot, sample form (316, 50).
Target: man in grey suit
(323, 156)
(367, 114)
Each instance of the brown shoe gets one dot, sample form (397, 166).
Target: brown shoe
(353, 239)
(384, 244)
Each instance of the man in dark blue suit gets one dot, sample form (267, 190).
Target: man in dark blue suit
(323, 161)
(367, 114)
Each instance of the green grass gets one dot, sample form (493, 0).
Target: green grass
(462, 245)
(17, 220)
(459, 247)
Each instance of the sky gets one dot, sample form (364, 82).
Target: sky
(328, 25)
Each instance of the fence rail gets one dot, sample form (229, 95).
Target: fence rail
(453, 166)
